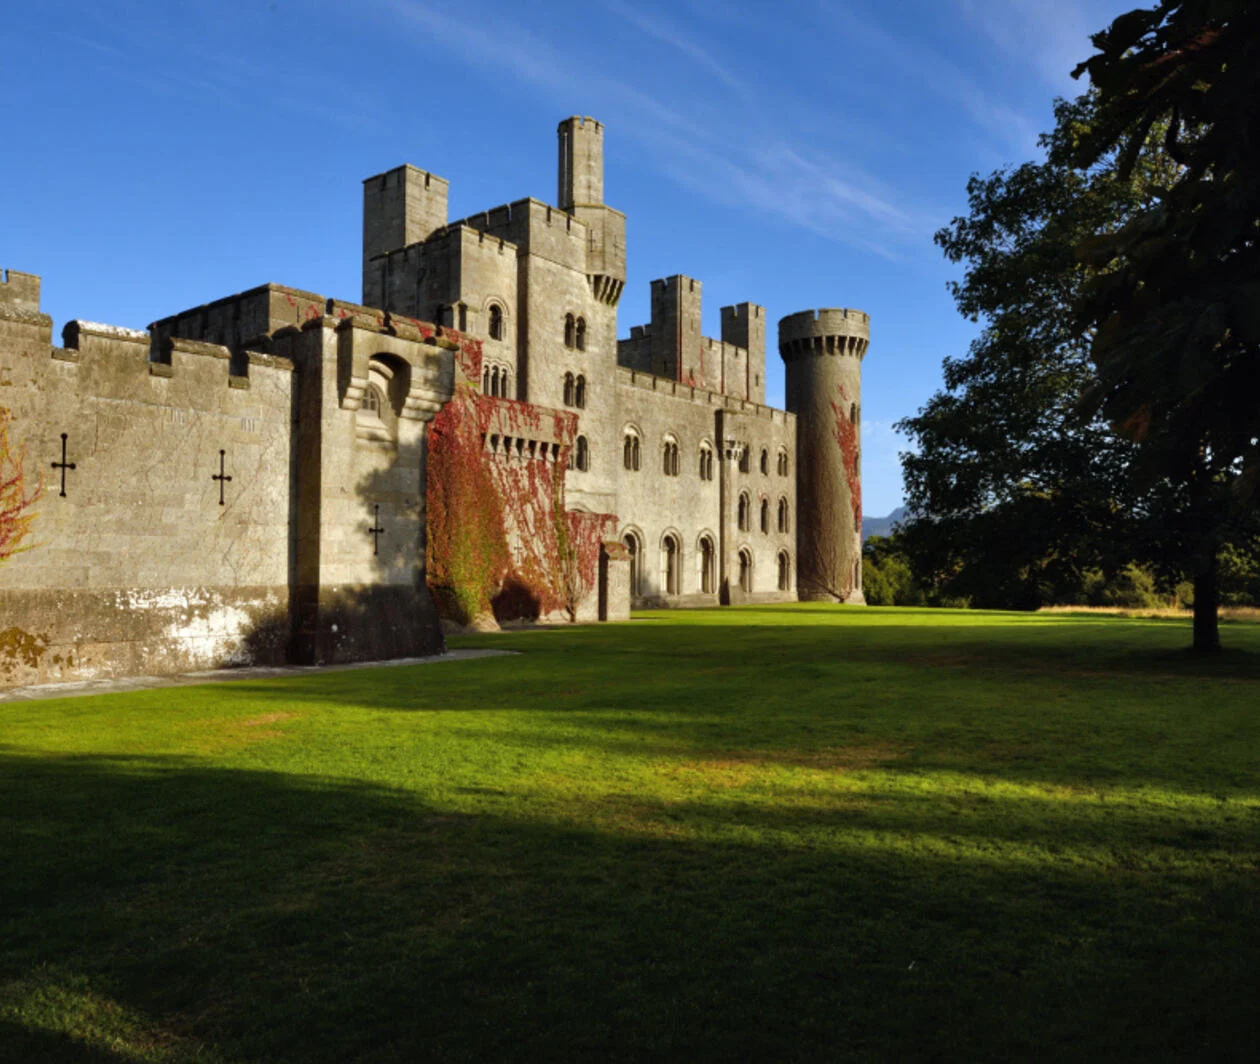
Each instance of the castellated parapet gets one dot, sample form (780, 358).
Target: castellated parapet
(823, 352)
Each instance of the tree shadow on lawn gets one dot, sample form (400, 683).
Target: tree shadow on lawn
(1023, 709)
(245, 915)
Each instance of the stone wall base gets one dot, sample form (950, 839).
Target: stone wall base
(58, 636)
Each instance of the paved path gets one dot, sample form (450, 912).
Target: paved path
(146, 683)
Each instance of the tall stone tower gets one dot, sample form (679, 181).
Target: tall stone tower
(823, 353)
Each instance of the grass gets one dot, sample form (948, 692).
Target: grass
(782, 833)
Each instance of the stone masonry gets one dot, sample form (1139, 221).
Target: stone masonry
(245, 482)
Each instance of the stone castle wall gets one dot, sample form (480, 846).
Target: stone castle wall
(137, 568)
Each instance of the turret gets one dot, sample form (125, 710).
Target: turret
(823, 353)
(581, 194)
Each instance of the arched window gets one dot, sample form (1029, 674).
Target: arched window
(496, 322)
(485, 380)
(765, 516)
(630, 451)
(579, 392)
(671, 559)
(569, 389)
(373, 401)
(745, 570)
(669, 463)
(503, 384)
(583, 454)
(579, 338)
(853, 413)
(743, 460)
(708, 566)
(785, 571)
(706, 462)
(783, 463)
(784, 522)
(632, 546)
(765, 462)
(745, 512)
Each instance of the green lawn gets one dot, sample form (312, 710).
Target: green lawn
(796, 832)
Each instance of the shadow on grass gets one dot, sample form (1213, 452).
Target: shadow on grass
(254, 916)
(1037, 706)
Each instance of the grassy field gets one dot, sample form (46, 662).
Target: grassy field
(782, 833)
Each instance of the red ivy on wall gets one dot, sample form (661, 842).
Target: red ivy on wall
(499, 538)
(847, 438)
(17, 496)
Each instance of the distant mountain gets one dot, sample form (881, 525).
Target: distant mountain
(881, 526)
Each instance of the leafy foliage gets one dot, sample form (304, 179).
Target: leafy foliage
(1012, 495)
(1172, 307)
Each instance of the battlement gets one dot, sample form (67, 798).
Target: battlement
(632, 378)
(19, 291)
(114, 349)
(826, 321)
(829, 331)
(679, 280)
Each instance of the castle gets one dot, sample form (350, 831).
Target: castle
(277, 476)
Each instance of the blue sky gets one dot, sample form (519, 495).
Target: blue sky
(797, 154)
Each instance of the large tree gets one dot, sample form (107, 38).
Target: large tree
(1012, 494)
(1171, 309)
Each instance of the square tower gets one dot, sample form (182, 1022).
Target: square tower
(581, 163)
(744, 325)
(401, 207)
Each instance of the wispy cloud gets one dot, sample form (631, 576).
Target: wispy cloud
(937, 75)
(744, 162)
(1052, 35)
(672, 34)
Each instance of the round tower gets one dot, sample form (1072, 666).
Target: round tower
(823, 351)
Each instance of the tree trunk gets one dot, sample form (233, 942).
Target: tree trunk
(1207, 634)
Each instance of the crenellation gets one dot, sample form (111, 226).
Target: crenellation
(247, 479)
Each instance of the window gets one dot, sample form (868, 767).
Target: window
(569, 389)
(630, 453)
(853, 413)
(570, 331)
(670, 457)
(708, 566)
(783, 463)
(496, 322)
(745, 570)
(706, 462)
(579, 393)
(745, 513)
(579, 338)
(373, 401)
(671, 557)
(785, 571)
(494, 381)
(582, 451)
(784, 523)
(743, 460)
(765, 516)
(765, 462)
(632, 546)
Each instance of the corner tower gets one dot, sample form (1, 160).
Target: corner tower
(823, 353)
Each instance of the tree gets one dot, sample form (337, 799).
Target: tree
(1013, 496)
(17, 497)
(1171, 310)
